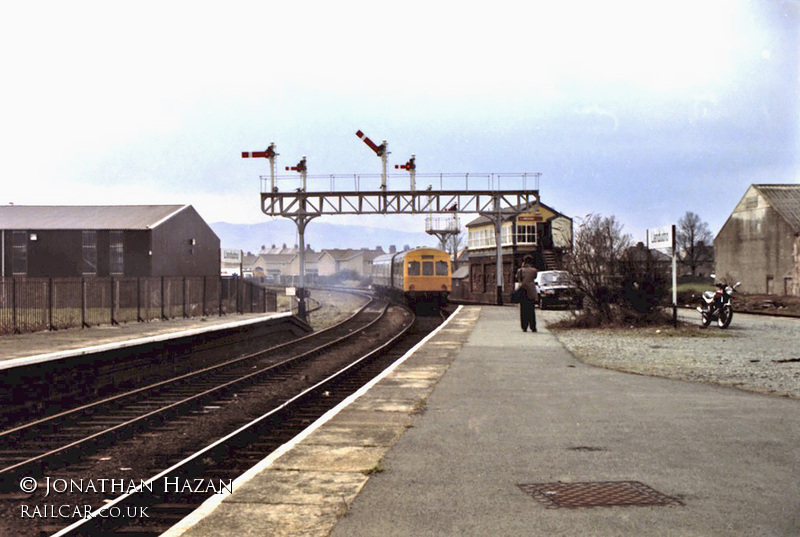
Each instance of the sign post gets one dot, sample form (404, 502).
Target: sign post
(664, 237)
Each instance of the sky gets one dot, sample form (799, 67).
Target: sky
(638, 110)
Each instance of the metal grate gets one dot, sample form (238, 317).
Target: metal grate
(597, 494)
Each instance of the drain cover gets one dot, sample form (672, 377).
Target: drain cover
(596, 494)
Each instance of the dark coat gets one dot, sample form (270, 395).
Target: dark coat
(525, 277)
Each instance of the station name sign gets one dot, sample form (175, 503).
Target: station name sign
(660, 237)
(231, 256)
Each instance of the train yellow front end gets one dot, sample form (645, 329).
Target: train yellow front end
(421, 275)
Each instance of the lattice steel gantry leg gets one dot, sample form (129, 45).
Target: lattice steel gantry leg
(301, 222)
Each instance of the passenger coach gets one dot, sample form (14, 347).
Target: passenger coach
(415, 276)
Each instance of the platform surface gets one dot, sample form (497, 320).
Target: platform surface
(441, 446)
(80, 340)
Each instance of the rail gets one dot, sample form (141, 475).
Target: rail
(123, 412)
(230, 456)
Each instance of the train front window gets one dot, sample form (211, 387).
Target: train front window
(427, 268)
(413, 268)
(441, 268)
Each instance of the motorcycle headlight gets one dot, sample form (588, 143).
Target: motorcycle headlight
(729, 290)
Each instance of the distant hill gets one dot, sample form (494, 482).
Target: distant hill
(319, 235)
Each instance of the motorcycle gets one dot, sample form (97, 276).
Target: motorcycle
(717, 305)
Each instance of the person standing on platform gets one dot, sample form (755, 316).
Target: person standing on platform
(525, 276)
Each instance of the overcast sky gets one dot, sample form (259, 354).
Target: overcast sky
(641, 110)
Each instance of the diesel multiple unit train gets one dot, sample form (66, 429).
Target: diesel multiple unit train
(419, 276)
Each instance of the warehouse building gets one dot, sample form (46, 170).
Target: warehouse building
(111, 240)
(759, 244)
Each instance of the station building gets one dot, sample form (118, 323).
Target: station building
(108, 240)
(539, 231)
(759, 244)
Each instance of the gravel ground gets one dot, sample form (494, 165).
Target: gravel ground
(757, 353)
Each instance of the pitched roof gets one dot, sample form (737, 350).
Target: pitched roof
(277, 258)
(345, 254)
(461, 273)
(118, 217)
(785, 199)
(509, 213)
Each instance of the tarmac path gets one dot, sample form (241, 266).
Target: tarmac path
(517, 408)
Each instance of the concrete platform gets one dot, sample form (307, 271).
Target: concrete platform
(305, 487)
(20, 349)
(440, 446)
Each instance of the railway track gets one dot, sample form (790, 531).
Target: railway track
(218, 464)
(131, 416)
(33, 448)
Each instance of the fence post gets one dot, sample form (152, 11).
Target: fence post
(203, 307)
(15, 329)
(237, 288)
(83, 303)
(184, 297)
(113, 321)
(139, 299)
(50, 304)
(163, 315)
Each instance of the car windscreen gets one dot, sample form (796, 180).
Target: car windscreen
(559, 277)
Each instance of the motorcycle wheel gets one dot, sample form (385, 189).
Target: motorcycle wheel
(725, 317)
(705, 319)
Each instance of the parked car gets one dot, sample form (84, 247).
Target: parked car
(557, 288)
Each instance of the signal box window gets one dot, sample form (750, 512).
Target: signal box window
(526, 234)
(413, 268)
(427, 268)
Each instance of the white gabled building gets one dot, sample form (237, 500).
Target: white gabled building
(759, 244)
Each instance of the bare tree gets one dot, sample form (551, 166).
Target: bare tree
(455, 242)
(596, 261)
(694, 242)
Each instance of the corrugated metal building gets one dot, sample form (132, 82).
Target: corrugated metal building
(759, 244)
(109, 240)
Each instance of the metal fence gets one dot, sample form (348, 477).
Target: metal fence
(35, 304)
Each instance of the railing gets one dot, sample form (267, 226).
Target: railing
(442, 224)
(36, 304)
(435, 182)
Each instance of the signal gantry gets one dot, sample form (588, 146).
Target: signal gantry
(495, 196)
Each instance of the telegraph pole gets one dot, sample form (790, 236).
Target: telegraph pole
(498, 231)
